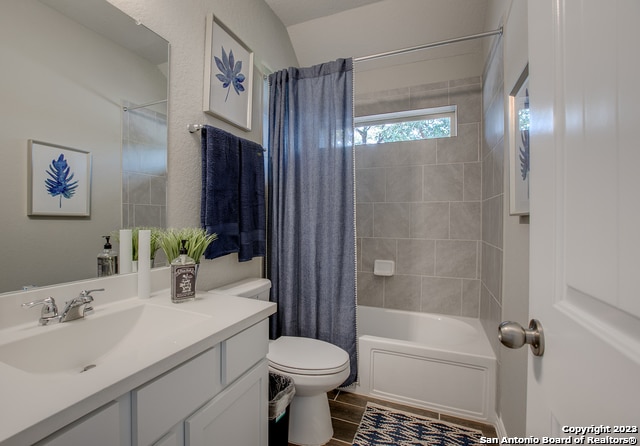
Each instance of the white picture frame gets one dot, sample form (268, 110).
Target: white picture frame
(519, 150)
(59, 181)
(228, 80)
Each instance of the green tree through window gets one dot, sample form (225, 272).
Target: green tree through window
(405, 126)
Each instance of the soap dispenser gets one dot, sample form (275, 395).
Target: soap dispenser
(183, 277)
(107, 260)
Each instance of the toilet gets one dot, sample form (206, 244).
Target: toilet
(315, 366)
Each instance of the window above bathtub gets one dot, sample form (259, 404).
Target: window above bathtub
(409, 125)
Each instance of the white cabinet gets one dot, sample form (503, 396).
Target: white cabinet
(227, 385)
(236, 417)
(102, 427)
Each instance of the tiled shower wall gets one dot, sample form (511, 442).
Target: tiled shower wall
(493, 194)
(419, 204)
(144, 168)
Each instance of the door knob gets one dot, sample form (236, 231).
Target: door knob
(512, 335)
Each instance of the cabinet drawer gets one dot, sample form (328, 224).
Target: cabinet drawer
(244, 350)
(170, 398)
(100, 428)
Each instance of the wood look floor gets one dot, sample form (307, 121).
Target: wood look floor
(347, 410)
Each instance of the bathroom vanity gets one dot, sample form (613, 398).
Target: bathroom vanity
(156, 374)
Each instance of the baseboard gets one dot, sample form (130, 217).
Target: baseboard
(500, 430)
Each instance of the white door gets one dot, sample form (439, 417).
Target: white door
(585, 214)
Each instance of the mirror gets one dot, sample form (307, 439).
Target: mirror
(69, 68)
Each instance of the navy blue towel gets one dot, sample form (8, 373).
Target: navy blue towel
(232, 202)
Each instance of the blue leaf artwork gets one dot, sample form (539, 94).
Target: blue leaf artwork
(59, 183)
(524, 146)
(524, 154)
(231, 72)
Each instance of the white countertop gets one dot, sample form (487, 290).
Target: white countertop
(34, 405)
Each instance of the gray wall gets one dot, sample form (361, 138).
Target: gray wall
(418, 203)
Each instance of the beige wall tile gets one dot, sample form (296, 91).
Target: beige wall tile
(456, 258)
(370, 290)
(462, 148)
(428, 96)
(364, 219)
(402, 292)
(468, 99)
(442, 295)
(492, 221)
(492, 270)
(430, 220)
(443, 182)
(370, 185)
(465, 220)
(391, 219)
(416, 257)
(472, 187)
(404, 183)
(471, 298)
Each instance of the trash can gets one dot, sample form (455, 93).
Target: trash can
(281, 391)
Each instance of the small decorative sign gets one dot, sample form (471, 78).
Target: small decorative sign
(183, 282)
(228, 75)
(59, 181)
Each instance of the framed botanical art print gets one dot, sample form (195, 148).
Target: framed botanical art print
(59, 181)
(519, 166)
(228, 79)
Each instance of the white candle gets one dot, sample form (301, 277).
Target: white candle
(144, 263)
(125, 251)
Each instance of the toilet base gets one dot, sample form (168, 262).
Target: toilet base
(310, 420)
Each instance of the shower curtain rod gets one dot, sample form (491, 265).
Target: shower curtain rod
(429, 45)
(148, 104)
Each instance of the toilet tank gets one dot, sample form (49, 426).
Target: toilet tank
(254, 288)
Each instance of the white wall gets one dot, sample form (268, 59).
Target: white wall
(63, 84)
(182, 23)
(386, 26)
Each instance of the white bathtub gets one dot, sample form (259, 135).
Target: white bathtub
(442, 363)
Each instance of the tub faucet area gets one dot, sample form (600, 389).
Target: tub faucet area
(75, 308)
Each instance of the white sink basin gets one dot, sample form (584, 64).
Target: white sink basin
(76, 346)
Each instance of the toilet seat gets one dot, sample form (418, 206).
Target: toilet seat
(306, 356)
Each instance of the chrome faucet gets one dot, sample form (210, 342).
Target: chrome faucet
(77, 307)
(74, 309)
(49, 309)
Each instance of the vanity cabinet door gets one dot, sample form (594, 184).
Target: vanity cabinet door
(237, 416)
(169, 399)
(100, 428)
(173, 438)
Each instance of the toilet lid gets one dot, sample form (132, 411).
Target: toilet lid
(306, 356)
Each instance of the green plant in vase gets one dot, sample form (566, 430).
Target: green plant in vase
(197, 242)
